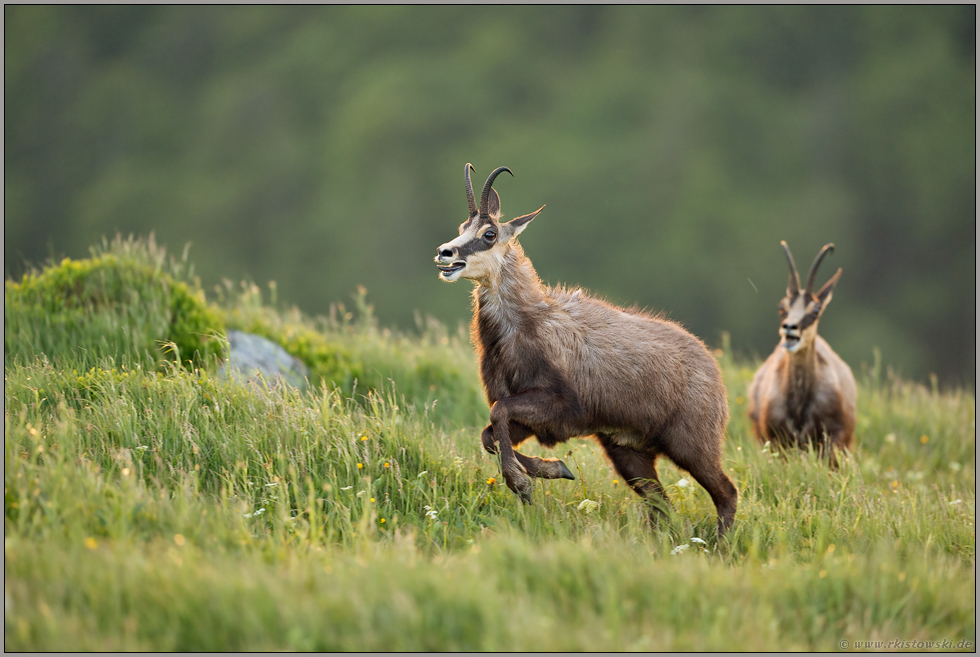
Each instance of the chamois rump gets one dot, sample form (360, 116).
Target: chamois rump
(804, 394)
(558, 363)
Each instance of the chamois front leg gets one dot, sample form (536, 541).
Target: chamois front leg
(529, 408)
(535, 466)
(834, 443)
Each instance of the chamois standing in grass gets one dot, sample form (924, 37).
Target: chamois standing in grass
(804, 394)
(558, 363)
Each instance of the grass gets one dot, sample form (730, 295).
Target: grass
(150, 505)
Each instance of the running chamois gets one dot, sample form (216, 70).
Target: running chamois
(804, 394)
(558, 363)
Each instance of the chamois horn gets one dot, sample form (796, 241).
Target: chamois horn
(793, 288)
(485, 197)
(816, 263)
(469, 189)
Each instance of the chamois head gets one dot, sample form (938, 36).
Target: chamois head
(483, 241)
(800, 311)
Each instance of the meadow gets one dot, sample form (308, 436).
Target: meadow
(151, 504)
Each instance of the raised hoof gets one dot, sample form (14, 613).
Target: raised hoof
(565, 472)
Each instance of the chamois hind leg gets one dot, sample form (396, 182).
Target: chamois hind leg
(639, 470)
(535, 466)
(702, 459)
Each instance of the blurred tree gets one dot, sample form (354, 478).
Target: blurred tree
(322, 147)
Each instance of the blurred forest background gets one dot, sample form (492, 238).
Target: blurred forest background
(323, 148)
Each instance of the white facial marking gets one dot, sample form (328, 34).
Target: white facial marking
(474, 266)
(792, 337)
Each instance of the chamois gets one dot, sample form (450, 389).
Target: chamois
(558, 363)
(804, 394)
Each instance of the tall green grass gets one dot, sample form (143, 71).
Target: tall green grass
(348, 351)
(156, 506)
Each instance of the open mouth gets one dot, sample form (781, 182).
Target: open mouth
(449, 270)
(791, 343)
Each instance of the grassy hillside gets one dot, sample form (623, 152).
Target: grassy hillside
(151, 505)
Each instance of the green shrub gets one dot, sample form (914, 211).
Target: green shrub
(347, 350)
(125, 302)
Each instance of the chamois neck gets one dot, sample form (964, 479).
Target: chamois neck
(801, 368)
(513, 284)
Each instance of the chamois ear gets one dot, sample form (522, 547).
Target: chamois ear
(827, 291)
(514, 227)
(493, 201)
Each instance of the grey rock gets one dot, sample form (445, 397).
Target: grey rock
(251, 356)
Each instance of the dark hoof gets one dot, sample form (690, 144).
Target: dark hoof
(565, 472)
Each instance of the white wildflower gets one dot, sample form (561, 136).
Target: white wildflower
(423, 473)
(346, 487)
(680, 548)
(683, 483)
(698, 540)
(955, 502)
(360, 493)
(430, 512)
(587, 506)
(271, 485)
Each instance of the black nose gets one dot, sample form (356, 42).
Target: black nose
(445, 253)
(790, 327)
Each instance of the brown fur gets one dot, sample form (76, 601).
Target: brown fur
(807, 398)
(558, 364)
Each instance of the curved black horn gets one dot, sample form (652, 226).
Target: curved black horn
(794, 278)
(469, 189)
(484, 211)
(816, 263)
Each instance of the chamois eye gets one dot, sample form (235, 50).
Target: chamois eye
(490, 235)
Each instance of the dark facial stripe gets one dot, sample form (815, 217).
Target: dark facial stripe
(809, 318)
(475, 245)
